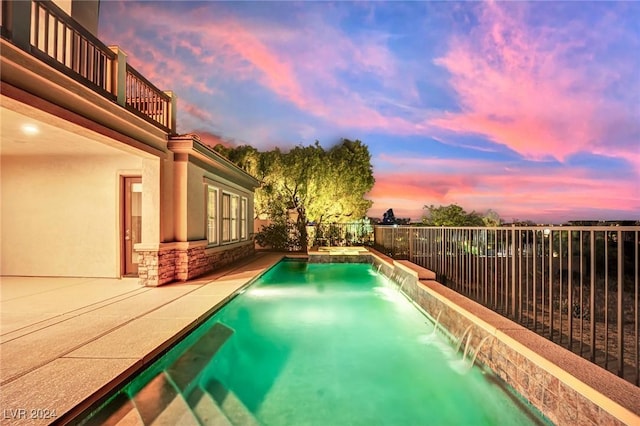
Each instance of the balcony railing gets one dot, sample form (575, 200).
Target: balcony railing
(577, 286)
(67, 46)
(146, 99)
(47, 32)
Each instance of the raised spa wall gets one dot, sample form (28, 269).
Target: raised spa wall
(566, 388)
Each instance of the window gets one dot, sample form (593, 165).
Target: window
(212, 214)
(234, 217)
(226, 217)
(243, 219)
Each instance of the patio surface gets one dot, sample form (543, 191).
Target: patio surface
(63, 339)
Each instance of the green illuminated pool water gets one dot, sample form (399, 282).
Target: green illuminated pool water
(335, 344)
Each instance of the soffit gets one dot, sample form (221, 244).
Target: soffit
(52, 139)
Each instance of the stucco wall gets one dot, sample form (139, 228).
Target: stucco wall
(60, 215)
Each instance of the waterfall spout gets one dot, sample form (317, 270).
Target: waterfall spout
(477, 351)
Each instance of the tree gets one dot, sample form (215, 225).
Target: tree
(388, 218)
(491, 219)
(451, 215)
(308, 183)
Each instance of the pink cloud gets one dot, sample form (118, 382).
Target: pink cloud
(295, 64)
(517, 87)
(211, 139)
(195, 111)
(530, 192)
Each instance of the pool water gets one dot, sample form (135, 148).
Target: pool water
(331, 344)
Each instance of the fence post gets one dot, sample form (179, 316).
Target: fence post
(514, 249)
(411, 239)
(621, 265)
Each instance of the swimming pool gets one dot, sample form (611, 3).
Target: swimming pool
(318, 344)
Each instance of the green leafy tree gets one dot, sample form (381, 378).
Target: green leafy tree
(491, 219)
(451, 215)
(308, 183)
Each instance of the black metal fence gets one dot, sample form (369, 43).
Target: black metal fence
(577, 286)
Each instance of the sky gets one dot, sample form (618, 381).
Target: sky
(531, 109)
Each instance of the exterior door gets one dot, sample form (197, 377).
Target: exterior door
(132, 218)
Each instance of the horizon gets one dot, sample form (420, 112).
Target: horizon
(529, 109)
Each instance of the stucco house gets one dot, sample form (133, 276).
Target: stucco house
(95, 182)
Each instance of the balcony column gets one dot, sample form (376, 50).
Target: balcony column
(119, 75)
(172, 111)
(180, 188)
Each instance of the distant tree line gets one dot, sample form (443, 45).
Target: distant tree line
(451, 215)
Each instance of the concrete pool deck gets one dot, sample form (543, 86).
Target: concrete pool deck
(64, 339)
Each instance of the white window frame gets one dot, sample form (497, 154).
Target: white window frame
(235, 206)
(226, 217)
(213, 225)
(243, 218)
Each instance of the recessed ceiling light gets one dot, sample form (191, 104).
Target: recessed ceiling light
(30, 129)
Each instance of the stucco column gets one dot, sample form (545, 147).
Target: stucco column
(151, 205)
(119, 75)
(180, 213)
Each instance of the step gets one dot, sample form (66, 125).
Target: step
(206, 409)
(185, 371)
(231, 405)
(119, 411)
(160, 403)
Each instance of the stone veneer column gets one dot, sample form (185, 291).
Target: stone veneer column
(156, 267)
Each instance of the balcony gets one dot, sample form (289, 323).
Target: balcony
(45, 31)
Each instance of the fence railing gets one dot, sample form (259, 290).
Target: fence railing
(577, 286)
(340, 234)
(47, 32)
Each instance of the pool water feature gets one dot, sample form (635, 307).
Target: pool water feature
(317, 344)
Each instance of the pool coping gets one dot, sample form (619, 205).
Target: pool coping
(566, 377)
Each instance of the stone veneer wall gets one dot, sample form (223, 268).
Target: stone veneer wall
(161, 267)
(555, 399)
(196, 261)
(156, 267)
